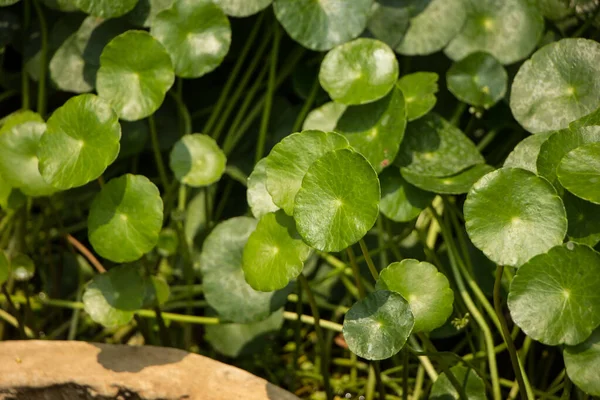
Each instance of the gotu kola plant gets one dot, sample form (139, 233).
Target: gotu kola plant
(417, 181)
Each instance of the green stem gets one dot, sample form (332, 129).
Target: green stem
(405, 374)
(25, 105)
(458, 112)
(41, 101)
(356, 273)
(320, 336)
(512, 350)
(184, 113)
(266, 116)
(223, 97)
(379, 380)
(13, 308)
(310, 100)
(162, 172)
(371, 265)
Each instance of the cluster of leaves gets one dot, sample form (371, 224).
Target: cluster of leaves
(369, 157)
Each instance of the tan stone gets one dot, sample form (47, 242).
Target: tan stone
(54, 370)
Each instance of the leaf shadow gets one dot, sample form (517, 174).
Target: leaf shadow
(134, 358)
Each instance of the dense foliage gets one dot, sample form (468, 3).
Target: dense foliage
(383, 198)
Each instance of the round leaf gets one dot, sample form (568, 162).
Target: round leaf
(525, 154)
(433, 28)
(583, 363)
(432, 146)
(242, 8)
(134, 82)
(10, 198)
(376, 130)
(259, 199)
(579, 172)
(106, 8)
(473, 385)
(274, 253)
(81, 140)
(324, 24)
(156, 292)
(20, 137)
(554, 297)
(324, 118)
(359, 72)
(235, 340)
(225, 287)
(427, 291)
(401, 201)
(4, 267)
(388, 23)
(419, 91)
(196, 34)
(111, 298)
(478, 79)
(338, 201)
(126, 218)
(509, 30)
(584, 220)
(512, 215)
(145, 10)
(290, 159)
(378, 326)
(22, 267)
(196, 160)
(453, 184)
(559, 84)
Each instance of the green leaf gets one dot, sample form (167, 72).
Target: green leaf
(377, 327)
(290, 159)
(427, 291)
(22, 267)
(81, 140)
(453, 184)
(512, 215)
(419, 91)
(126, 218)
(376, 130)
(525, 154)
(259, 199)
(433, 28)
(579, 172)
(145, 10)
(196, 160)
(388, 23)
(274, 253)
(20, 140)
(473, 385)
(61, 5)
(338, 201)
(558, 145)
(583, 363)
(111, 298)
(4, 267)
(508, 30)
(584, 220)
(324, 24)
(554, 297)
(134, 82)
(106, 8)
(168, 242)
(225, 287)
(325, 117)
(432, 146)
(478, 79)
(156, 292)
(5, 3)
(10, 198)
(196, 34)
(359, 72)
(236, 340)
(94, 34)
(243, 8)
(557, 85)
(401, 201)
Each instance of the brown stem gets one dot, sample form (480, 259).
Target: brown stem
(86, 253)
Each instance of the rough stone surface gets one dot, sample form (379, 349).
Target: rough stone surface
(54, 370)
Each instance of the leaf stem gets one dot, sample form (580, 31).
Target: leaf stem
(13, 308)
(216, 112)
(87, 253)
(271, 85)
(24, 76)
(184, 113)
(512, 351)
(310, 100)
(162, 172)
(320, 336)
(365, 251)
(356, 273)
(41, 101)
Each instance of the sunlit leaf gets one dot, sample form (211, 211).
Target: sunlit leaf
(419, 91)
(125, 218)
(554, 297)
(106, 8)
(525, 154)
(325, 117)
(197, 160)
(259, 199)
(338, 201)
(243, 8)
(579, 172)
